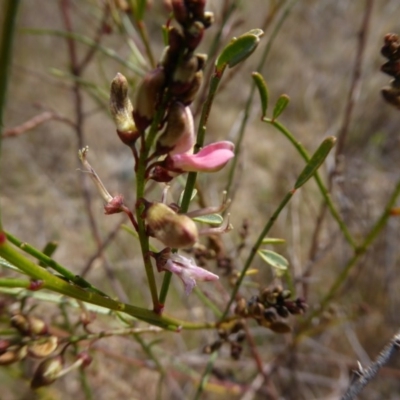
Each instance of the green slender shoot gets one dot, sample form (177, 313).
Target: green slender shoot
(46, 261)
(322, 188)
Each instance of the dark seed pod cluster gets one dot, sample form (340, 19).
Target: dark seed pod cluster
(231, 334)
(391, 51)
(270, 308)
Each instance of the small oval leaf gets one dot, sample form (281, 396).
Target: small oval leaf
(212, 219)
(316, 160)
(262, 90)
(275, 260)
(280, 106)
(238, 49)
(273, 241)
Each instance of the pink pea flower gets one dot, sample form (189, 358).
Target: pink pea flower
(187, 271)
(210, 158)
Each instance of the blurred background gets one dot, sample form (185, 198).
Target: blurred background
(45, 196)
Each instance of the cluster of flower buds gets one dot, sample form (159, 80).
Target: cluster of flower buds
(171, 87)
(270, 308)
(231, 334)
(391, 51)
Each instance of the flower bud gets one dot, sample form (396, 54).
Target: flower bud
(178, 136)
(121, 109)
(180, 11)
(147, 97)
(208, 19)
(43, 347)
(190, 93)
(172, 229)
(196, 7)
(47, 372)
(194, 35)
(185, 71)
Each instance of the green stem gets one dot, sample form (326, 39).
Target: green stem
(140, 189)
(15, 283)
(10, 9)
(361, 250)
(324, 191)
(49, 262)
(56, 284)
(254, 250)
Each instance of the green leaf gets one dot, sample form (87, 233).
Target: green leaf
(275, 260)
(280, 106)
(212, 219)
(262, 90)
(238, 49)
(273, 241)
(316, 160)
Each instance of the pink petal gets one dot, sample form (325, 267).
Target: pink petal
(210, 158)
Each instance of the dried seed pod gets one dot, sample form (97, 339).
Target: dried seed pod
(256, 310)
(391, 95)
(391, 48)
(280, 327)
(391, 68)
(43, 347)
(270, 315)
(241, 307)
(13, 355)
(236, 350)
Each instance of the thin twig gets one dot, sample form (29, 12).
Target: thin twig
(36, 121)
(366, 375)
